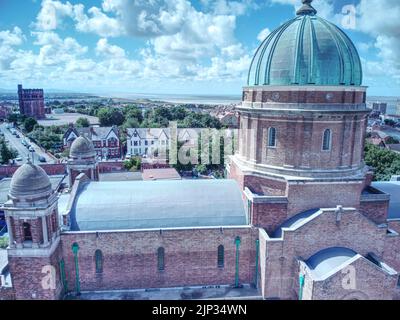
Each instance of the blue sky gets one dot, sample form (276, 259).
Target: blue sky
(173, 46)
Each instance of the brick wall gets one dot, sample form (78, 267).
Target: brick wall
(375, 210)
(51, 169)
(27, 276)
(105, 167)
(370, 283)
(391, 255)
(299, 140)
(303, 196)
(130, 258)
(7, 293)
(354, 231)
(268, 215)
(295, 96)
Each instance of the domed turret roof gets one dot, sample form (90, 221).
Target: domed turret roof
(82, 148)
(306, 50)
(29, 180)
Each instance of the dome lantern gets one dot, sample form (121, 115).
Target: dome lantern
(307, 8)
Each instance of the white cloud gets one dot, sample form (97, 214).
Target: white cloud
(105, 49)
(97, 22)
(263, 34)
(52, 13)
(11, 38)
(183, 44)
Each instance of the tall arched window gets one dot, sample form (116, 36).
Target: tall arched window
(271, 137)
(160, 259)
(27, 232)
(98, 256)
(327, 140)
(221, 256)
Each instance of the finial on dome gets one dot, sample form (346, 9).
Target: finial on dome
(306, 9)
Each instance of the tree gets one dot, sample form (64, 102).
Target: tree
(110, 117)
(201, 168)
(82, 122)
(131, 123)
(392, 140)
(386, 163)
(6, 153)
(390, 122)
(133, 112)
(29, 124)
(16, 118)
(133, 163)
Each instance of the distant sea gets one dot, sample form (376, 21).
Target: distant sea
(182, 98)
(226, 99)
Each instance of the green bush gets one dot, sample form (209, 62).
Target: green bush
(3, 243)
(133, 163)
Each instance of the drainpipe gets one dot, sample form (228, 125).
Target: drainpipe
(301, 286)
(256, 271)
(237, 242)
(75, 248)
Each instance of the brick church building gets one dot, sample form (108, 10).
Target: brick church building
(31, 102)
(298, 217)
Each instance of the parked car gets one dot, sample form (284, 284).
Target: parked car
(17, 135)
(42, 159)
(31, 149)
(18, 158)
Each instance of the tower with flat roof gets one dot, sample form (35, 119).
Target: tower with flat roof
(31, 102)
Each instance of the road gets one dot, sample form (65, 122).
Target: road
(23, 152)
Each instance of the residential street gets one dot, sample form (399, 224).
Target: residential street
(23, 152)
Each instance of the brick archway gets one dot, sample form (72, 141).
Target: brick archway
(355, 295)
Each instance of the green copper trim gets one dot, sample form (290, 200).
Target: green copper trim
(338, 46)
(311, 62)
(267, 78)
(75, 249)
(301, 286)
(256, 268)
(298, 51)
(237, 242)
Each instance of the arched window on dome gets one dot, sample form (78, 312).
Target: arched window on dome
(221, 257)
(160, 259)
(98, 256)
(327, 140)
(271, 137)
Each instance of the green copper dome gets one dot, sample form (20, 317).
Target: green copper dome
(307, 50)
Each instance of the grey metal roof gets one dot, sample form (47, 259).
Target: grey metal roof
(392, 188)
(327, 260)
(125, 205)
(294, 221)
